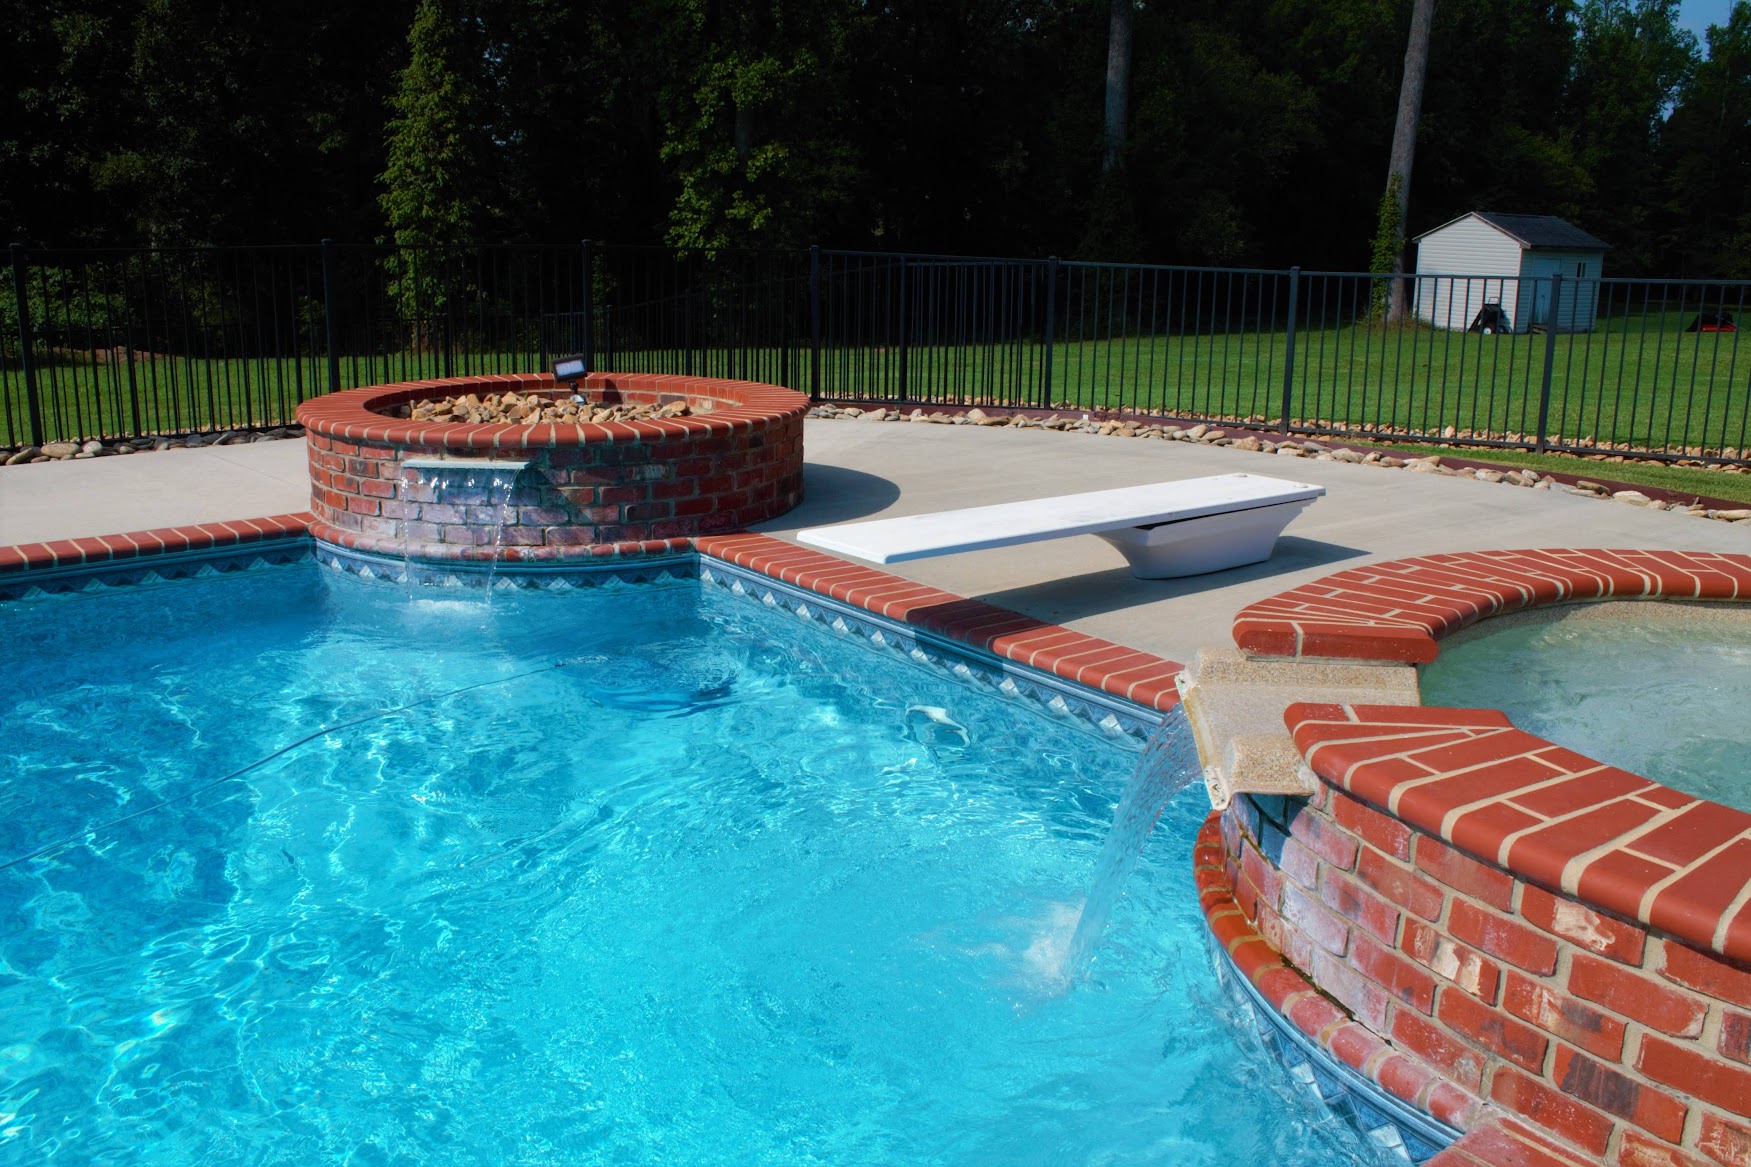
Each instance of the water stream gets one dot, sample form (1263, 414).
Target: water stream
(462, 486)
(1168, 765)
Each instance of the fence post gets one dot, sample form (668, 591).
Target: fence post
(32, 401)
(589, 313)
(1051, 329)
(814, 322)
(1289, 348)
(1556, 301)
(328, 315)
(901, 395)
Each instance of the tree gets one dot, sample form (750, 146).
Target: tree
(1118, 82)
(1395, 202)
(755, 121)
(1707, 155)
(1631, 60)
(431, 184)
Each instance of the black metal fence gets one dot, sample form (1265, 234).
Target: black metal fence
(128, 343)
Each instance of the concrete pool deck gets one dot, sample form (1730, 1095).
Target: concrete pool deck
(865, 470)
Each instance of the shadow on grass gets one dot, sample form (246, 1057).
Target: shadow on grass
(1100, 592)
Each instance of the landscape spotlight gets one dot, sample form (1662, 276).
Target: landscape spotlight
(570, 370)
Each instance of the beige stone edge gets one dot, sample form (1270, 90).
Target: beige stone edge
(1235, 708)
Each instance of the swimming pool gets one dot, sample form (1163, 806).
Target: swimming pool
(718, 888)
(1656, 689)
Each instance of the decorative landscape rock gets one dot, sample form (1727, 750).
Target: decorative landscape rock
(512, 408)
(1204, 434)
(113, 447)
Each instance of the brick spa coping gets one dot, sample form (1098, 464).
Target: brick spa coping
(1602, 835)
(354, 415)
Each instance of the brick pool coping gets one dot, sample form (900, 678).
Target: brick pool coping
(1127, 673)
(1567, 941)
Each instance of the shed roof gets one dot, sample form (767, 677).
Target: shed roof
(1535, 231)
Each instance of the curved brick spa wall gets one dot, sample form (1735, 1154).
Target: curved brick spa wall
(588, 488)
(1491, 926)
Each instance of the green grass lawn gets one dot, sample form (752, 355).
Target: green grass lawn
(1642, 383)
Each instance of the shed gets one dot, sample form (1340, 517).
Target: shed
(1485, 257)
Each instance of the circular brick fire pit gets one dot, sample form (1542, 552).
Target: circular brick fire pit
(447, 491)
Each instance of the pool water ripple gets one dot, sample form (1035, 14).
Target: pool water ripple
(714, 893)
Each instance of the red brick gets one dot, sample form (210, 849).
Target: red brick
(1379, 830)
(1725, 1142)
(1262, 876)
(1460, 871)
(1361, 996)
(1517, 1145)
(1581, 1025)
(1324, 928)
(1555, 1112)
(1502, 938)
(1705, 972)
(1735, 1041)
(1299, 865)
(1319, 835)
(1635, 995)
(1439, 1048)
(1492, 1030)
(1682, 1068)
(1400, 885)
(1638, 1150)
(1359, 905)
(1404, 1077)
(1396, 975)
(1582, 925)
(1354, 1045)
(1463, 966)
(1597, 1084)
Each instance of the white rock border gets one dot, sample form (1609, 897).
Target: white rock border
(97, 448)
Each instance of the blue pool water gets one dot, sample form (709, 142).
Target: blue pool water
(715, 892)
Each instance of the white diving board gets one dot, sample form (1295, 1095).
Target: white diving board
(1164, 529)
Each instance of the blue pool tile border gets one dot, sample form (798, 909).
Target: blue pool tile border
(78, 579)
(986, 672)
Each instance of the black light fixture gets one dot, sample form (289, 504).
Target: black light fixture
(571, 370)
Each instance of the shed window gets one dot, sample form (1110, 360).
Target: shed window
(1580, 271)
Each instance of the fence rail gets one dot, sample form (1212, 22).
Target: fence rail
(132, 343)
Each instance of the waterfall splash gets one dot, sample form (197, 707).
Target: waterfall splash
(481, 493)
(1168, 765)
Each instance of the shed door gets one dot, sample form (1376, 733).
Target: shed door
(1541, 268)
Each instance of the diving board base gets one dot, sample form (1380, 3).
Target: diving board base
(1202, 545)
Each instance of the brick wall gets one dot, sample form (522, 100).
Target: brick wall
(1626, 1044)
(587, 486)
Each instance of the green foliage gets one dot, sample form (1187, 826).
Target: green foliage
(431, 183)
(1256, 135)
(755, 131)
(1384, 257)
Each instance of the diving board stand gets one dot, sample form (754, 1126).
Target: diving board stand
(1164, 529)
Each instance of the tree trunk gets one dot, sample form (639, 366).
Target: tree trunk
(1118, 83)
(1404, 134)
